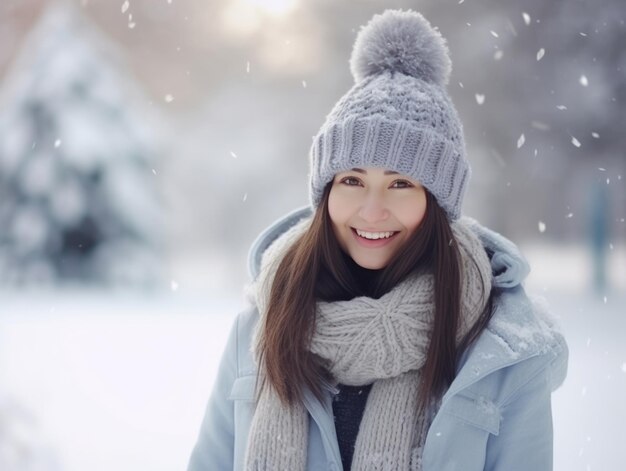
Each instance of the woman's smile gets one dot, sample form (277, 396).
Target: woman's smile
(374, 239)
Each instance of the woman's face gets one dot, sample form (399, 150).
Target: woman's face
(373, 212)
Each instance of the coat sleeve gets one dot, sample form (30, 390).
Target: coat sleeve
(214, 449)
(525, 438)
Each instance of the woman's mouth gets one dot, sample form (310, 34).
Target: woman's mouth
(373, 239)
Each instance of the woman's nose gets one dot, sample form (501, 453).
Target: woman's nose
(373, 209)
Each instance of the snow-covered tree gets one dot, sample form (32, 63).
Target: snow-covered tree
(78, 152)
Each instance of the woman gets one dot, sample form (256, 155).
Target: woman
(386, 332)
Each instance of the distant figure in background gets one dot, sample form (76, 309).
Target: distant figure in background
(599, 235)
(386, 332)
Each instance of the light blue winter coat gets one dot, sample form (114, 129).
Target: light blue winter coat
(496, 415)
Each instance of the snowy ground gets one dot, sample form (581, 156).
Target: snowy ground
(105, 381)
(115, 382)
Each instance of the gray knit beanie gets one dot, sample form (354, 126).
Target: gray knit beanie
(398, 114)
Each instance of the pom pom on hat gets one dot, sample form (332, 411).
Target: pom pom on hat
(401, 41)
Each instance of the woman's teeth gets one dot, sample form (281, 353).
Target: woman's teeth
(374, 235)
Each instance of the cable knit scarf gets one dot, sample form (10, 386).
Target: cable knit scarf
(381, 341)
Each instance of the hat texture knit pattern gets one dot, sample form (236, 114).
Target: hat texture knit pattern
(397, 115)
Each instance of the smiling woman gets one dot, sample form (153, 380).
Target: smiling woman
(384, 328)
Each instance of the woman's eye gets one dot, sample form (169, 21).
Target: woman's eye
(403, 183)
(347, 180)
(352, 181)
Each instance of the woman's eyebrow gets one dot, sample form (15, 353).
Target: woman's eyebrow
(387, 172)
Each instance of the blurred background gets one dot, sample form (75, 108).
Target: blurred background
(144, 144)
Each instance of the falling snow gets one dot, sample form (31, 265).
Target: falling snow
(487, 406)
(542, 227)
(620, 361)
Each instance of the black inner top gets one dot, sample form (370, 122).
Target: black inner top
(349, 403)
(365, 277)
(348, 407)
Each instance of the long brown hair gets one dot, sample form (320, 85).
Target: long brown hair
(315, 268)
